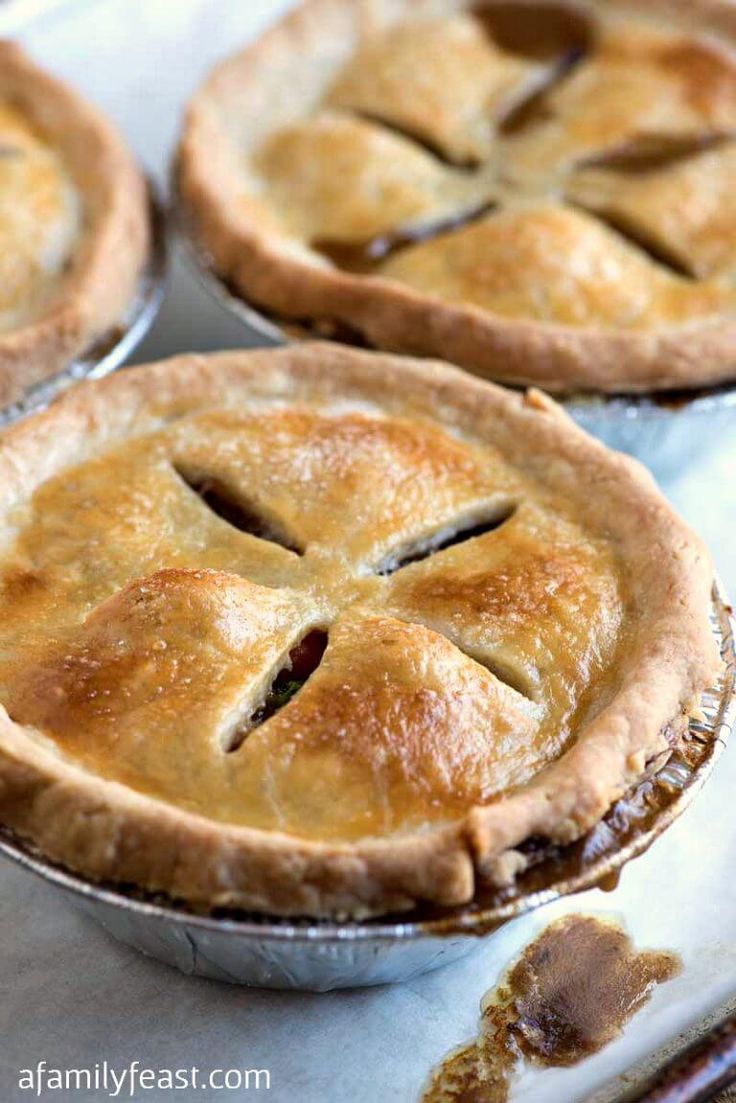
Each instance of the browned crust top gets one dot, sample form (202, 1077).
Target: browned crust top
(250, 252)
(107, 830)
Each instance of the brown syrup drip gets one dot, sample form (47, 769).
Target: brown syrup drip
(571, 992)
(610, 882)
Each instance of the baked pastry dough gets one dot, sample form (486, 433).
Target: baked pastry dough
(537, 191)
(73, 225)
(326, 632)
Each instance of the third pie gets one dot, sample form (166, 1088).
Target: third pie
(74, 231)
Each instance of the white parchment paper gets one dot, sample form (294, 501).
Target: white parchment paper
(74, 997)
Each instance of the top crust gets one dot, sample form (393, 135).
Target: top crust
(54, 790)
(249, 108)
(107, 260)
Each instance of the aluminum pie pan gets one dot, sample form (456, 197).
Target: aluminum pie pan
(113, 348)
(665, 431)
(319, 955)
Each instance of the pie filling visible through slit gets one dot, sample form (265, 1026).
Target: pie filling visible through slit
(275, 634)
(509, 185)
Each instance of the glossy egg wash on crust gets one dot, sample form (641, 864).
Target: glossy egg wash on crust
(537, 191)
(580, 174)
(315, 631)
(339, 625)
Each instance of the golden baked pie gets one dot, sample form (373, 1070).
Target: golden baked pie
(535, 190)
(328, 632)
(73, 225)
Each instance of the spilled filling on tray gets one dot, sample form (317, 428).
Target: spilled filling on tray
(571, 992)
(39, 219)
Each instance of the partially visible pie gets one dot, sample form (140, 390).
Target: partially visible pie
(327, 632)
(536, 190)
(73, 225)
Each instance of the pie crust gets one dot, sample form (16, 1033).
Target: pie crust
(432, 177)
(73, 224)
(516, 626)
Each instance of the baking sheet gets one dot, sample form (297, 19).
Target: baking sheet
(73, 997)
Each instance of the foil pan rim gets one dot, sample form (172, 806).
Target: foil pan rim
(464, 921)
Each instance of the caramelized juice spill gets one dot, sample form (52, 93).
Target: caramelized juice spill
(570, 993)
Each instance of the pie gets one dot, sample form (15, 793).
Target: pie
(323, 631)
(537, 191)
(73, 225)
